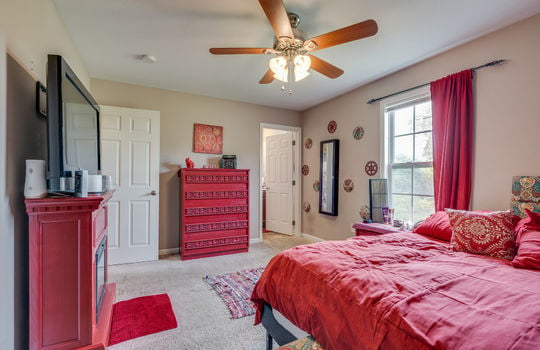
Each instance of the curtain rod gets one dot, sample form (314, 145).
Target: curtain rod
(489, 64)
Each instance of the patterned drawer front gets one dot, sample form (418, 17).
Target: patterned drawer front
(216, 194)
(216, 226)
(216, 179)
(216, 242)
(235, 209)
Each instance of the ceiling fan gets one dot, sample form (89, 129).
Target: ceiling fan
(292, 49)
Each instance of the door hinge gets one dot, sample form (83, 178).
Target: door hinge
(294, 142)
(293, 182)
(293, 222)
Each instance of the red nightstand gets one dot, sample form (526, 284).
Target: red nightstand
(363, 229)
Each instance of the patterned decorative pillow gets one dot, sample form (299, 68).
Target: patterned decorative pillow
(490, 233)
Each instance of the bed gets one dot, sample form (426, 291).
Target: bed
(400, 291)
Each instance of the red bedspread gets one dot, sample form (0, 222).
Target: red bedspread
(402, 291)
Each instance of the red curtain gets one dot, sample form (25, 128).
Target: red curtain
(452, 111)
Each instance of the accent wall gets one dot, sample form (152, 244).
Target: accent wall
(506, 126)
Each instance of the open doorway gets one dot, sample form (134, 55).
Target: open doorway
(280, 179)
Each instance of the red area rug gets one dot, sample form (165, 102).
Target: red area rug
(141, 316)
(235, 290)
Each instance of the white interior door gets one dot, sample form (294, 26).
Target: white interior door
(130, 154)
(279, 187)
(81, 145)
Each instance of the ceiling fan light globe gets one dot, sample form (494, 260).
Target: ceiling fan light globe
(299, 75)
(278, 64)
(282, 76)
(302, 63)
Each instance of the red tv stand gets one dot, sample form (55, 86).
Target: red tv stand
(66, 236)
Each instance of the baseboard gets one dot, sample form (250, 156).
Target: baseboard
(169, 251)
(313, 237)
(255, 240)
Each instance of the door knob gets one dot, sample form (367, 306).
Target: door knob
(153, 193)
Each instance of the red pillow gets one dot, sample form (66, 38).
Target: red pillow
(436, 225)
(528, 256)
(489, 233)
(529, 223)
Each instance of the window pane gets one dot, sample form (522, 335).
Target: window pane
(423, 181)
(403, 121)
(423, 207)
(402, 180)
(423, 151)
(402, 207)
(403, 149)
(422, 118)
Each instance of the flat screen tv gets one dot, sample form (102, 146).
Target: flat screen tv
(72, 124)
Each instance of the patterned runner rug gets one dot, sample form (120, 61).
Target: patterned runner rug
(235, 290)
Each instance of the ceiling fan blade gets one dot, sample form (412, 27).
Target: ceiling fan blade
(325, 68)
(237, 50)
(277, 16)
(267, 78)
(346, 34)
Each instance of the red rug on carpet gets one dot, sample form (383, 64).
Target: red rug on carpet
(141, 316)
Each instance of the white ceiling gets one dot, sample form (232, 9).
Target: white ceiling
(110, 33)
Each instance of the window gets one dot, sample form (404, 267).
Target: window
(409, 157)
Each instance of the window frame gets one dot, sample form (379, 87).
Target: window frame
(403, 100)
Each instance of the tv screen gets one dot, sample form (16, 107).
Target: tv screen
(73, 124)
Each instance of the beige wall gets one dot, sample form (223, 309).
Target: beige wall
(32, 29)
(506, 131)
(179, 111)
(7, 326)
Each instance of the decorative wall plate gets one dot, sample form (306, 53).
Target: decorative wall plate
(308, 143)
(371, 168)
(316, 185)
(332, 126)
(348, 185)
(364, 212)
(307, 207)
(358, 133)
(305, 169)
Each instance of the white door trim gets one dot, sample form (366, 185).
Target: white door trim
(297, 161)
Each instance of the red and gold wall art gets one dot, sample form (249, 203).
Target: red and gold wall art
(207, 139)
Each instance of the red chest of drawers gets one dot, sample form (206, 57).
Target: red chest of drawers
(214, 212)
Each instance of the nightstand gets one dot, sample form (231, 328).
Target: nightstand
(368, 229)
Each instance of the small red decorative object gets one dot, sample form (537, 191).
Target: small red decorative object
(189, 163)
(305, 169)
(332, 126)
(371, 168)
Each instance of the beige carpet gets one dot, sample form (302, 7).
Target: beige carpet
(204, 322)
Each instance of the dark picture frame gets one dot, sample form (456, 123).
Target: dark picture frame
(329, 177)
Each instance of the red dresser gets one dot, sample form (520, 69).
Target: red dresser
(214, 212)
(70, 299)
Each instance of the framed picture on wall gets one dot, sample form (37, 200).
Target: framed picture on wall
(207, 138)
